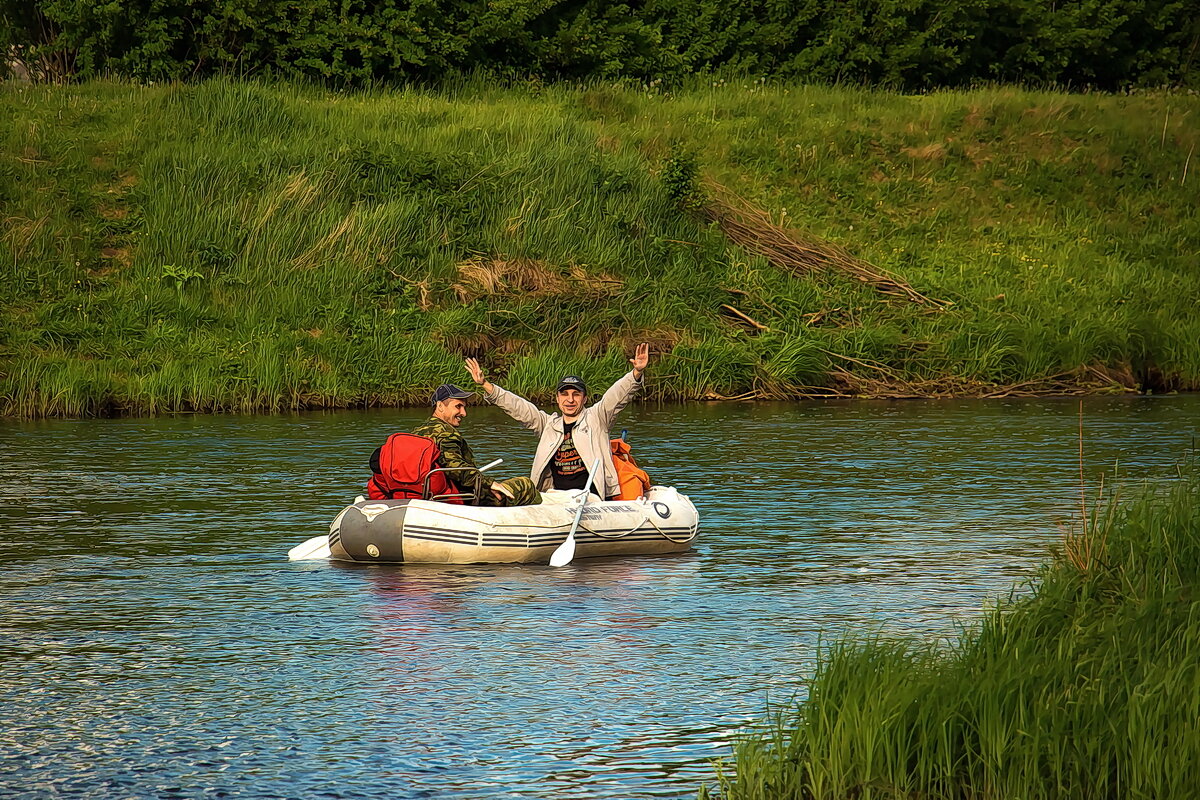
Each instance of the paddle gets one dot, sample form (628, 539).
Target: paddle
(316, 547)
(566, 551)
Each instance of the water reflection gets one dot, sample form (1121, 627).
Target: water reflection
(155, 642)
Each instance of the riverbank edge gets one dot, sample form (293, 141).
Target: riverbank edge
(108, 408)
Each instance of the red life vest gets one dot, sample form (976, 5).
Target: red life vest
(400, 467)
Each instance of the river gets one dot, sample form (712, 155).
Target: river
(157, 643)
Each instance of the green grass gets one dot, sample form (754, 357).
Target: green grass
(241, 246)
(1089, 687)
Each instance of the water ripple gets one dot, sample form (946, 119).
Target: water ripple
(156, 644)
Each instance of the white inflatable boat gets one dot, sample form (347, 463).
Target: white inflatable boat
(426, 531)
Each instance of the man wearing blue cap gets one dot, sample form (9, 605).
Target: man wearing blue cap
(576, 436)
(449, 410)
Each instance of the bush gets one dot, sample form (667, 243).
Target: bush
(911, 44)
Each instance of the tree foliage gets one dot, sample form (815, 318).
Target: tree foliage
(909, 44)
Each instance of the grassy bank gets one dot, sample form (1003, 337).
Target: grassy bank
(1088, 688)
(232, 246)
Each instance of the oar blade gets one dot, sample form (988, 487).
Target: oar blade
(564, 553)
(315, 548)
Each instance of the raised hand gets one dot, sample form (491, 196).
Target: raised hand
(477, 375)
(641, 357)
(475, 370)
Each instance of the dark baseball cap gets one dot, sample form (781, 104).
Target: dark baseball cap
(571, 382)
(448, 391)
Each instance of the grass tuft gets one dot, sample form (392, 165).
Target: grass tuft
(1089, 686)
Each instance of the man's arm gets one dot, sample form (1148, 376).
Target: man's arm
(462, 466)
(512, 404)
(621, 392)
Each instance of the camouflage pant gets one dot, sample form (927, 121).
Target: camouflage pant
(524, 493)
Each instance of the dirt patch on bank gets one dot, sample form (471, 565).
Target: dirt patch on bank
(500, 277)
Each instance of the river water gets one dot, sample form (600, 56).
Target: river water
(157, 643)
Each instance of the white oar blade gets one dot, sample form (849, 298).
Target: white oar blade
(564, 553)
(315, 548)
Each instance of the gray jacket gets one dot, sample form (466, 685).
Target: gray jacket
(591, 434)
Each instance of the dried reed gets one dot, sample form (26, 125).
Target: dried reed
(802, 254)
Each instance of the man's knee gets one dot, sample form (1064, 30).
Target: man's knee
(523, 493)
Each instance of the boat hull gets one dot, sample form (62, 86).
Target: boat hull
(421, 531)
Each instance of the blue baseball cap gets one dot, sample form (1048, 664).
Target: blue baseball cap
(571, 382)
(448, 391)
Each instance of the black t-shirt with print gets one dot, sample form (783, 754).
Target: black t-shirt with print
(567, 466)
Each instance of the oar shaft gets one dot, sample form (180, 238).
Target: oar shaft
(566, 551)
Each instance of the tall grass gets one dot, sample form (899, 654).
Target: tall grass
(1089, 687)
(233, 245)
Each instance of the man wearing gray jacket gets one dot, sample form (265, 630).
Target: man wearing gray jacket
(573, 438)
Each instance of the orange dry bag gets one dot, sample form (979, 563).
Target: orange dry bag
(634, 480)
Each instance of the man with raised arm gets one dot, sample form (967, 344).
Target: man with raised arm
(573, 438)
(449, 410)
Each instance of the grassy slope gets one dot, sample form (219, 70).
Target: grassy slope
(1089, 688)
(239, 246)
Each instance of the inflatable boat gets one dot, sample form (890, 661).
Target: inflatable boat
(425, 531)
